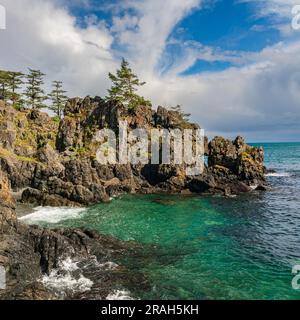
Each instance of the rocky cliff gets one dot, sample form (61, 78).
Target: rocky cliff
(55, 164)
(30, 253)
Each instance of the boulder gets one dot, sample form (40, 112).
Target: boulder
(222, 152)
(202, 184)
(263, 188)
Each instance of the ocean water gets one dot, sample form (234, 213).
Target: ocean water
(199, 247)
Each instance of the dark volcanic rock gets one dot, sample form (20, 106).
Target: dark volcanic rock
(29, 252)
(242, 160)
(71, 174)
(202, 184)
(263, 188)
(222, 152)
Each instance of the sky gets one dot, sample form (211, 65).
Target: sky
(233, 64)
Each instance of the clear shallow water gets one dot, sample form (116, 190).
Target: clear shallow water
(211, 247)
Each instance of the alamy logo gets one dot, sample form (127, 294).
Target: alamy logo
(2, 278)
(296, 19)
(2, 17)
(155, 146)
(296, 279)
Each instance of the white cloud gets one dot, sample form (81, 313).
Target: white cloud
(258, 97)
(144, 35)
(276, 8)
(279, 13)
(44, 36)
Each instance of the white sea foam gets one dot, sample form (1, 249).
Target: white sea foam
(278, 174)
(68, 278)
(93, 262)
(68, 265)
(108, 265)
(119, 295)
(62, 280)
(52, 215)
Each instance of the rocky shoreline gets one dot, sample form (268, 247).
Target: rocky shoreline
(32, 255)
(53, 164)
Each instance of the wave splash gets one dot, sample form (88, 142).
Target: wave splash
(278, 174)
(51, 215)
(66, 279)
(119, 295)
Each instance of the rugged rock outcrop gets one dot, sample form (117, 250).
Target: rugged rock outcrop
(29, 253)
(56, 163)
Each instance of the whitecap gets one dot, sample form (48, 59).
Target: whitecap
(63, 283)
(51, 215)
(119, 295)
(108, 265)
(62, 280)
(278, 174)
(93, 262)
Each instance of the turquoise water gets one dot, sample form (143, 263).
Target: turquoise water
(213, 247)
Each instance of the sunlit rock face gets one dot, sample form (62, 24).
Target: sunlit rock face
(56, 161)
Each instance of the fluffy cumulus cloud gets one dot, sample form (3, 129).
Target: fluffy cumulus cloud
(43, 35)
(259, 96)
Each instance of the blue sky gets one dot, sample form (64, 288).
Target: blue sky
(233, 25)
(233, 64)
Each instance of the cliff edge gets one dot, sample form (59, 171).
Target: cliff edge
(55, 163)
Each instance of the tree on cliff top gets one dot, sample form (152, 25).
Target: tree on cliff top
(58, 98)
(125, 86)
(11, 82)
(184, 116)
(4, 83)
(34, 92)
(15, 83)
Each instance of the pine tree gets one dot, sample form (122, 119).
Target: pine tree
(58, 98)
(184, 116)
(125, 86)
(4, 85)
(34, 92)
(14, 84)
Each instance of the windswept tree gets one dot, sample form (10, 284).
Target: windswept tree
(14, 84)
(58, 98)
(184, 116)
(124, 88)
(4, 85)
(34, 92)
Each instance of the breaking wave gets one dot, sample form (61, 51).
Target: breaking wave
(278, 174)
(66, 279)
(119, 295)
(70, 277)
(51, 215)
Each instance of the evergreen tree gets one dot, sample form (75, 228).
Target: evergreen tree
(58, 98)
(4, 85)
(125, 86)
(184, 116)
(34, 92)
(14, 83)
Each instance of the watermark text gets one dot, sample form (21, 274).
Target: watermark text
(2, 278)
(296, 17)
(2, 17)
(156, 146)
